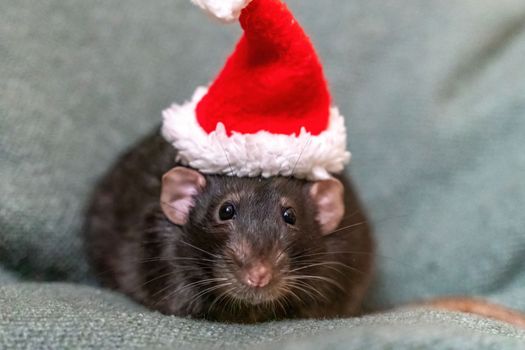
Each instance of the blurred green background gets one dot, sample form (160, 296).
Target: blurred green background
(433, 92)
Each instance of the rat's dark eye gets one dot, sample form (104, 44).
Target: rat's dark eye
(289, 216)
(227, 212)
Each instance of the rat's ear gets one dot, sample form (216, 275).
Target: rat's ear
(179, 188)
(328, 195)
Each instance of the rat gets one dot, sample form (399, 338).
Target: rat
(226, 248)
(240, 250)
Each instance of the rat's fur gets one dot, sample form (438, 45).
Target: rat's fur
(135, 249)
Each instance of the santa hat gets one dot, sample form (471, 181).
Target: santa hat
(268, 113)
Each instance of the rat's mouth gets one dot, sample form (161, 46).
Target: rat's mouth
(255, 283)
(237, 289)
(256, 296)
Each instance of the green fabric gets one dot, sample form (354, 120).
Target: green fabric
(6, 277)
(434, 95)
(84, 317)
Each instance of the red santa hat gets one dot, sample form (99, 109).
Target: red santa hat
(269, 112)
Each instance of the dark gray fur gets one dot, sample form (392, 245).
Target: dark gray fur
(134, 248)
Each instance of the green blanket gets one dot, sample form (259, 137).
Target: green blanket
(434, 95)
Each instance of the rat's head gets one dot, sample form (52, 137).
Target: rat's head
(256, 238)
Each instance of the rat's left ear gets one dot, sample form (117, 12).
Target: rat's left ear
(179, 187)
(328, 195)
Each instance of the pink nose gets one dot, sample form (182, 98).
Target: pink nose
(259, 275)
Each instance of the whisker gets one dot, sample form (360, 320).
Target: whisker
(302, 285)
(297, 297)
(220, 297)
(324, 263)
(292, 293)
(355, 212)
(208, 290)
(158, 259)
(284, 250)
(280, 305)
(312, 277)
(351, 252)
(232, 304)
(199, 249)
(155, 279)
(349, 226)
(227, 158)
(335, 252)
(368, 221)
(185, 287)
(301, 154)
(327, 265)
(179, 269)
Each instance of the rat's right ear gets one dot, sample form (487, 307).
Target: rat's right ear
(179, 188)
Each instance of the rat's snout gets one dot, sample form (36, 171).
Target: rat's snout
(255, 271)
(255, 267)
(257, 275)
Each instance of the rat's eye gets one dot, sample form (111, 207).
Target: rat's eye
(227, 212)
(289, 216)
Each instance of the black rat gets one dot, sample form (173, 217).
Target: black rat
(226, 248)
(236, 249)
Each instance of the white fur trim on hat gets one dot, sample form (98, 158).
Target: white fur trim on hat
(312, 157)
(225, 10)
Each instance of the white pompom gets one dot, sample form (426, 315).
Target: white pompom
(225, 10)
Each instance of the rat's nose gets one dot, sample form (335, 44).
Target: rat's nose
(258, 275)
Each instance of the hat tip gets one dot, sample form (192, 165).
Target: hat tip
(225, 10)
